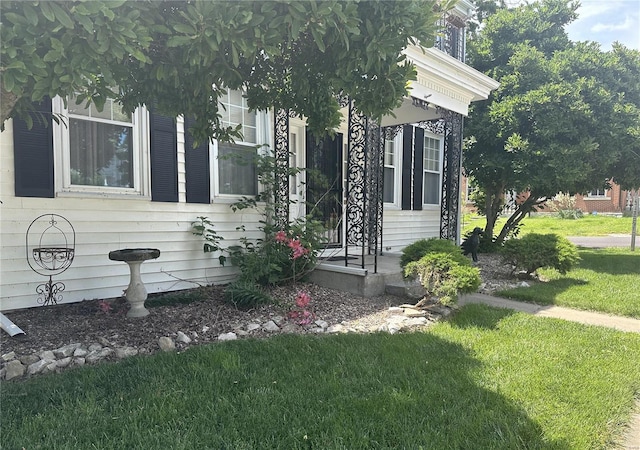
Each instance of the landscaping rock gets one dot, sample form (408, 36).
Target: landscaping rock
(80, 352)
(14, 369)
(94, 347)
(183, 338)
(228, 337)
(166, 344)
(67, 350)
(8, 356)
(47, 356)
(37, 367)
(126, 352)
(64, 362)
(29, 359)
(270, 326)
(253, 326)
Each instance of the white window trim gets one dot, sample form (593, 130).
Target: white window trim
(433, 206)
(62, 169)
(606, 196)
(262, 136)
(397, 188)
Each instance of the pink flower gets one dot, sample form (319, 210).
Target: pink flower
(281, 236)
(298, 249)
(302, 299)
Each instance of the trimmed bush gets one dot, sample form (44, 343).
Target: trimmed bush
(417, 250)
(445, 275)
(534, 251)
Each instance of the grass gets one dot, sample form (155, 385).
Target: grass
(606, 280)
(488, 378)
(587, 226)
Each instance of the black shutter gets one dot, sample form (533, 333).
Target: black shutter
(164, 158)
(197, 168)
(407, 155)
(33, 154)
(418, 168)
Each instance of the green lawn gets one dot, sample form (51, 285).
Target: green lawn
(545, 224)
(486, 379)
(606, 280)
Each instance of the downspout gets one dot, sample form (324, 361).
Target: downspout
(11, 328)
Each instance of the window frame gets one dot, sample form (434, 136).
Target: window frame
(62, 150)
(260, 146)
(597, 196)
(440, 141)
(397, 170)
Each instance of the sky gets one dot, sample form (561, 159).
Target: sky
(606, 21)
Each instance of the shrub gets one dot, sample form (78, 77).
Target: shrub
(534, 251)
(414, 252)
(245, 294)
(445, 275)
(564, 205)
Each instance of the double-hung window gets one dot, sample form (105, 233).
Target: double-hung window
(236, 162)
(100, 150)
(432, 168)
(390, 171)
(597, 193)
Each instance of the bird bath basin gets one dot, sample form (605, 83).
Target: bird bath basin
(136, 293)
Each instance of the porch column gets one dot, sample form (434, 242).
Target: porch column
(450, 204)
(281, 175)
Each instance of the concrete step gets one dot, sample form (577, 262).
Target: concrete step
(405, 288)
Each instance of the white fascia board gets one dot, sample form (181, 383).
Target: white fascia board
(447, 82)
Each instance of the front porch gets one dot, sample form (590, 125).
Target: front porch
(377, 275)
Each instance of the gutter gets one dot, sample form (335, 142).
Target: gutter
(7, 325)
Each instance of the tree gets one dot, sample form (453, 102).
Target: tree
(558, 122)
(178, 57)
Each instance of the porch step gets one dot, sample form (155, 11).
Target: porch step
(405, 288)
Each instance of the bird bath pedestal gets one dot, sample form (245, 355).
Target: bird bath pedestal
(136, 293)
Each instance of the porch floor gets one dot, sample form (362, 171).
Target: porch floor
(365, 281)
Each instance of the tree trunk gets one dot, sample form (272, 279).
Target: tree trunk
(520, 213)
(7, 101)
(493, 207)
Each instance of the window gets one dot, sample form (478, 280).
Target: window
(598, 193)
(100, 150)
(236, 162)
(390, 165)
(432, 164)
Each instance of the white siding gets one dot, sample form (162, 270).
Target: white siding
(401, 228)
(104, 224)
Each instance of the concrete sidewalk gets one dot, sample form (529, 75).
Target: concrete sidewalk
(558, 312)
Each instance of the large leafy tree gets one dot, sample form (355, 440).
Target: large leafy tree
(179, 56)
(560, 121)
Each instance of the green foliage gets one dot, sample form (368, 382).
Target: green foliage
(204, 227)
(414, 252)
(181, 56)
(564, 205)
(557, 122)
(274, 259)
(534, 251)
(245, 294)
(444, 275)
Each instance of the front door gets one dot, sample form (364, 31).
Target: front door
(324, 184)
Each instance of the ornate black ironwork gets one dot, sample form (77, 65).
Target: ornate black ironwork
(436, 126)
(281, 155)
(451, 39)
(392, 132)
(356, 192)
(375, 148)
(450, 204)
(50, 292)
(50, 246)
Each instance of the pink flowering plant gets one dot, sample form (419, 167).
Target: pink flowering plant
(299, 313)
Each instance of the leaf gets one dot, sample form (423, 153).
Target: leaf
(62, 16)
(317, 37)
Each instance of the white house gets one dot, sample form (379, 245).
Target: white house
(128, 182)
